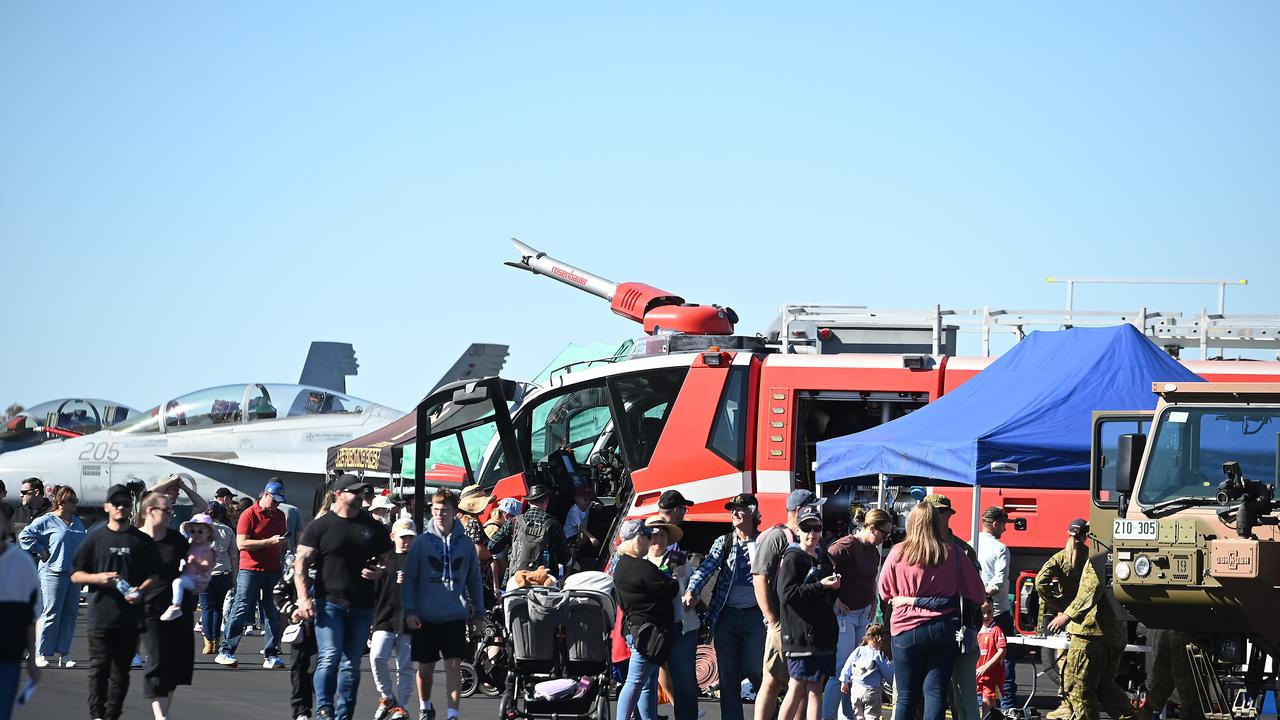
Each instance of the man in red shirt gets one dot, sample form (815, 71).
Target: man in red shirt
(261, 536)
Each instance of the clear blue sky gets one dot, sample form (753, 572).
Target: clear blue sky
(190, 193)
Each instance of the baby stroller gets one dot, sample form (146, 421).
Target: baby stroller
(558, 650)
(487, 671)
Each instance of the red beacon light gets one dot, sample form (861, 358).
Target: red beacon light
(825, 334)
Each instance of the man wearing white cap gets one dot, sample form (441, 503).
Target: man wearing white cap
(390, 638)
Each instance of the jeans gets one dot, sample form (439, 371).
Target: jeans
(211, 606)
(9, 675)
(61, 607)
(389, 648)
(739, 641)
(640, 691)
(682, 667)
(924, 658)
(110, 654)
(1005, 621)
(341, 635)
(853, 625)
(253, 590)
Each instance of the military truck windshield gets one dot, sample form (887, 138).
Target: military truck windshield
(1191, 444)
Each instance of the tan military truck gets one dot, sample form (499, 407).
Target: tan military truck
(1189, 493)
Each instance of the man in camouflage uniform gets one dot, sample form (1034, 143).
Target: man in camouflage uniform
(1056, 583)
(1097, 645)
(1169, 668)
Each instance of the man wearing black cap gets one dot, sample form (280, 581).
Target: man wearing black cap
(994, 566)
(119, 563)
(1057, 584)
(349, 547)
(733, 616)
(535, 538)
(764, 570)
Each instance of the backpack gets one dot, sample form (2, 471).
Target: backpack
(527, 543)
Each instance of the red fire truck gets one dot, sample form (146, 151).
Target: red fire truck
(695, 408)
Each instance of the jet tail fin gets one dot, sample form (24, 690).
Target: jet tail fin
(479, 360)
(328, 365)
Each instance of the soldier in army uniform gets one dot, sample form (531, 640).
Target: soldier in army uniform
(1170, 668)
(1056, 584)
(1097, 644)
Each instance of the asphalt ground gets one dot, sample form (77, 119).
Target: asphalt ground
(252, 693)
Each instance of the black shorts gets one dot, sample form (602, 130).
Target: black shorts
(436, 641)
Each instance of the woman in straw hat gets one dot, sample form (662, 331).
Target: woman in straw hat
(471, 502)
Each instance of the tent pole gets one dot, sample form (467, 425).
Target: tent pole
(882, 490)
(976, 523)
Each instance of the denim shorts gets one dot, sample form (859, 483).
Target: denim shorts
(811, 668)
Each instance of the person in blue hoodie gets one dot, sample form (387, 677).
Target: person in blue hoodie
(441, 593)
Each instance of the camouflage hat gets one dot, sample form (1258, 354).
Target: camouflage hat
(941, 502)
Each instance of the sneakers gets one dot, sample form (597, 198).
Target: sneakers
(66, 662)
(398, 713)
(384, 707)
(227, 659)
(273, 663)
(137, 661)
(173, 613)
(324, 714)
(428, 714)
(42, 661)
(303, 717)
(1062, 713)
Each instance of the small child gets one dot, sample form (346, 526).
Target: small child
(862, 676)
(198, 569)
(991, 649)
(391, 651)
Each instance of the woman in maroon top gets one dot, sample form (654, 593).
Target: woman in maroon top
(925, 644)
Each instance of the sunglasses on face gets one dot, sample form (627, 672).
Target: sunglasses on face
(28, 492)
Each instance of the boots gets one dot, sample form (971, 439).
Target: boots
(210, 647)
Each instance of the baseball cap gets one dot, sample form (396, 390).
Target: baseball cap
(808, 514)
(799, 498)
(941, 502)
(743, 500)
(994, 514)
(223, 492)
(119, 495)
(1078, 527)
(403, 528)
(672, 499)
(510, 506)
(349, 482)
(275, 488)
(382, 502)
(633, 528)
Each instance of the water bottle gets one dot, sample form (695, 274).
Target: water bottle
(130, 594)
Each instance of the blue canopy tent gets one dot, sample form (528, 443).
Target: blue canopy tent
(1025, 421)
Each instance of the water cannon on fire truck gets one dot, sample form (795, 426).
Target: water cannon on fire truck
(659, 311)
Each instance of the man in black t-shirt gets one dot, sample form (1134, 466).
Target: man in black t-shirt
(119, 564)
(350, 546)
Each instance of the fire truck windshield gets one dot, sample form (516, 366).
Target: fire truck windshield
(1191, 444)
(592, 420)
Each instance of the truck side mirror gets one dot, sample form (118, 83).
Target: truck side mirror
(1129, 449)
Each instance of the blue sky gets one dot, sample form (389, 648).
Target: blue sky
(190, 193)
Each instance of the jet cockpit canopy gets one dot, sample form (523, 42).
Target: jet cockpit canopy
(237, 404)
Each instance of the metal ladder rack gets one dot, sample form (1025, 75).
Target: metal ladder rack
(797, 326)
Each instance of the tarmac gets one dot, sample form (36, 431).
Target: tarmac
(253, 693)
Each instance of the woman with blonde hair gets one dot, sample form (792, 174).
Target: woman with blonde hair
(54, 538)
(926, 640)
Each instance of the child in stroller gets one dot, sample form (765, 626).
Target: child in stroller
(558, 649)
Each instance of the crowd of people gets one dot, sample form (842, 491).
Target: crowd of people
(790, 612)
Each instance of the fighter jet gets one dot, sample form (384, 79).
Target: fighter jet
(236, 436)
(62, 418)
